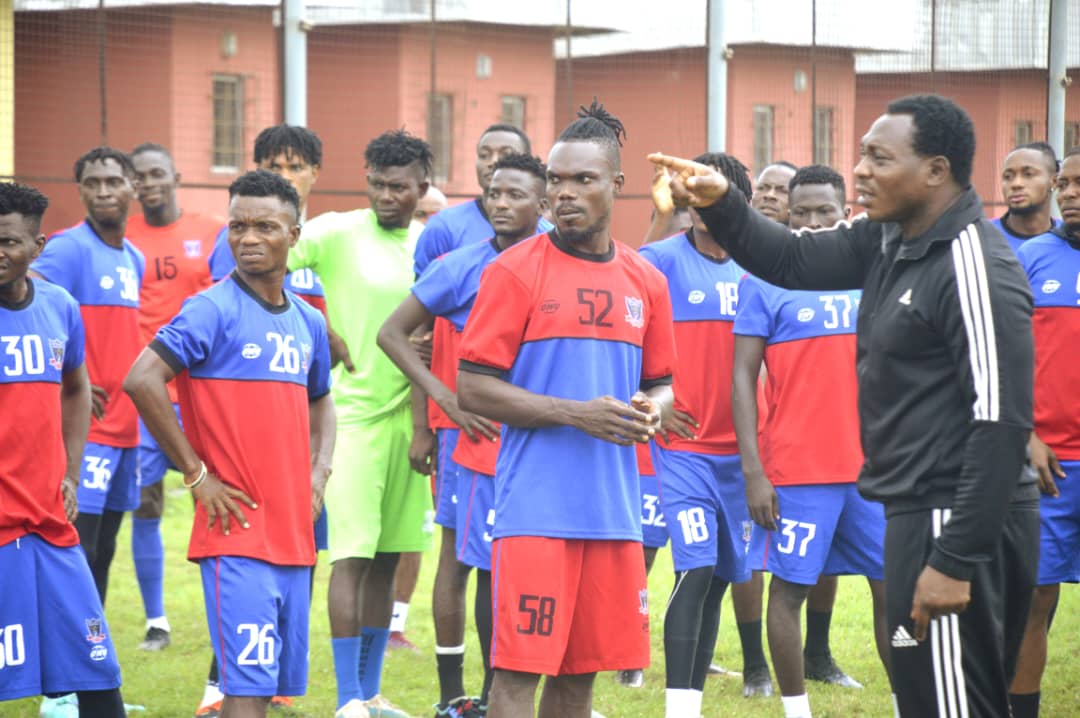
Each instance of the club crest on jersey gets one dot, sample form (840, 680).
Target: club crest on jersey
(747, 529)
(305, 354)
(635, 312)
(251, 351)
(94, 632)
(1050, 286)
(56, 350)
(192, 248)
(643, 601)
(805, 314)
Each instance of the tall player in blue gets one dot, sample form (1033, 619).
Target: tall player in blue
(1028, 174)
(102, 270)
(252, 365)
(455, 227)
(50, 646)
(570, 345)
(701, 485)
(515, 201)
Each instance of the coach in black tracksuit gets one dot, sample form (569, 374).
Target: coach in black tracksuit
(944, 361)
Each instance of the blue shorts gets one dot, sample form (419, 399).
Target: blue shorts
(475, 518)
(446, 478)
(1059, 530)
(153, 463)
(654, 533)
(823, 529)
(109, 479)
(53, 634)
(704, 502)
(258, 618)
(321, 539)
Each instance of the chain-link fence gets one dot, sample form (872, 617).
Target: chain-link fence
(804, 80)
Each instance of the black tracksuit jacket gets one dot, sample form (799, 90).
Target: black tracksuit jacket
(944, 358)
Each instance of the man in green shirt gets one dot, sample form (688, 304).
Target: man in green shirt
(364, 259)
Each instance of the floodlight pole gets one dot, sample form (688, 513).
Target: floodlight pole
(716, 78)
(1057, 79)
(294, 70)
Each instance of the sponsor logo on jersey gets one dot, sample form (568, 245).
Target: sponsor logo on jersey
(643, 601)
(905, 298)
(56, 350)
(805, 314)
(107, 282)
(1050, 286)
(99, 653)
(635, 312)
(696, 297)
(549, 306)
(192, 248)
(251, 351)
(901, 638)
(94, 631)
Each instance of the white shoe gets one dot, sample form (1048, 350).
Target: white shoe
(66, 706)
(597, 715)
(353, 709)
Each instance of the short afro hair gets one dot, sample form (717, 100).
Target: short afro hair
(1045, 149)
(733, 170)
(512, 129)
(289, 139)
(261, 183)
(397, 148)
(942, 128)
(23, 199)
(819, 174)
(524, 162)
(101, 154)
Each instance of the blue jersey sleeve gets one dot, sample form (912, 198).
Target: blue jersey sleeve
(221, 258)
(61, 263)
(434, 242)
(319, 375)
(649, 253)
(437, 289)
(75, 350)
(753, 315)
(190, 336)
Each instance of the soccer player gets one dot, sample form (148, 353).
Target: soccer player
(800, 486)
(252, 364)
(1052, 262)
(570, 346)
(701, 487)
(770, 195)
(514, 202)
(455, 227)
(103, 270)
(176, 246)
(364, 260)
(1027, 184)
(433, 202)
(51, 646)
(945, 366)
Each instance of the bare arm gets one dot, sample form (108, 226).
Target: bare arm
(760, 496)
(75, 424)
(323, 427)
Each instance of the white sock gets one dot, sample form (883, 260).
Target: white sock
(211, 694)
(682, 703)
(159, 622)
(796, 706)
(895, 706)
(397, 620)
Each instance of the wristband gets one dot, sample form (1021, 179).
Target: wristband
(198, 480)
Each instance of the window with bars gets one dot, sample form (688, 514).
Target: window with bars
(823, 136)
(763, 137)
(1022, 132)
(439, 135)
(513, 110)
(227, 153)
(1072, 135)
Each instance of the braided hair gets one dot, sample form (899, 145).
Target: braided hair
(596, 124)
(733, 170)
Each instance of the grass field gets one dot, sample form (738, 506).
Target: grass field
(170, 683)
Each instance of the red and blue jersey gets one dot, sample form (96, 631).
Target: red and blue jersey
(811, 434)
(41, 339)
(303, 282)
(447, 289)
(704, 294)
(558, 322)
(105, 281)
(1052, 264)
(246, 372)
(1016, 241)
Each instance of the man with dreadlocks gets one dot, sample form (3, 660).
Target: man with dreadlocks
(570, 345)
(364, 259)
(702, 491)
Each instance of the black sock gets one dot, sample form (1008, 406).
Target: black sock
(710, 627)
(753, 655)
(212, 676)
(817, 634)
(451, 667)
(682, 625)
(482, 611)
(106, 549)
(101, 704)
(1025, 705)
